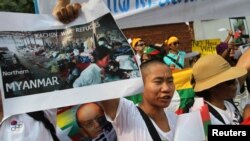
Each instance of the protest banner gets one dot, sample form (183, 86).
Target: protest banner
(137, 13)
(66, 116)
(205, 47)
(48, 65)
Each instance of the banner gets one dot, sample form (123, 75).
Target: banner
(137, 13)
(205, 47)
(48, 65)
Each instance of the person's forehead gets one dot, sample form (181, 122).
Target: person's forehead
(141, 41)
(89, 109)
(157, 69)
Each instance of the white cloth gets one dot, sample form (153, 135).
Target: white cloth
(130, 126)
(108, 134)
(138, 59)
(230, 115)
(91, 75)
(24, 128)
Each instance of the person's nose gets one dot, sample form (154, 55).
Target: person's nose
(96, 124)
(166, 87)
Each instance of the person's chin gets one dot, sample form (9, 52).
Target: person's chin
(164, 104)
(165, 101)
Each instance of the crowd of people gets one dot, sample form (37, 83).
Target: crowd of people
(215, 78)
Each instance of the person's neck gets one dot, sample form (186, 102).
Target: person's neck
(173, 51)
(139, 53)
(218, 103)
(99, 65)
(152, 111)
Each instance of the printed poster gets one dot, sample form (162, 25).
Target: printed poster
(205, 47)
(48, 65)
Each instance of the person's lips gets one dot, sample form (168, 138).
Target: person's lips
(166, 98)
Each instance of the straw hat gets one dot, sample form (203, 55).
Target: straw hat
(211, 70)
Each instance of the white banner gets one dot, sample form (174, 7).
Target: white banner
(136, 13)
(47, 64)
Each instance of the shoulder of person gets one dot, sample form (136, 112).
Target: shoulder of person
(171, 115)
(182, 53)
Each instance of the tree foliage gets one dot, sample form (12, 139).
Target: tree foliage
(24, 6)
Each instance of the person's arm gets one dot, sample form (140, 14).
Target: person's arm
(244, 63)
(110, 107)
(66, 12)
(230, 34)
(226, 52)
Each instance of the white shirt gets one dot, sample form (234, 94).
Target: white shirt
(230, 115)
(108, 134)
(91, 75)
(22, 127)
(130, 126)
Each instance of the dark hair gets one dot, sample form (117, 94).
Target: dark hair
(100, 52)
(205, 94)
(220, 48)
(151, 61)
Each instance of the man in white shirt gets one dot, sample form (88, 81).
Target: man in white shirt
(158, 92)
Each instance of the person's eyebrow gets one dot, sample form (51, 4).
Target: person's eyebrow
(162, 77)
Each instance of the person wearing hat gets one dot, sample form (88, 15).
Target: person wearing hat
(216, 81)
(245, 64)
(138, 45)
(175, 57)
(152, 52)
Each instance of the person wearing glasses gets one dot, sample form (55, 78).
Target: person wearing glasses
(175, 58)
(92, 122)
(138, 45)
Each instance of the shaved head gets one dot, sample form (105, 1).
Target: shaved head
(145, 67)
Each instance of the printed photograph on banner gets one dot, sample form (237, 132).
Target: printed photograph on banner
(84, 122)
(36, 62)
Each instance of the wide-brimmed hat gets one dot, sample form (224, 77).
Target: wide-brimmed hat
(211, 70)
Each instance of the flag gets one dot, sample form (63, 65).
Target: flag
(185, 93)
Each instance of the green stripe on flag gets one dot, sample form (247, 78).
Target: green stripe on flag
(186, 97)
(135, 98)
(205, 125)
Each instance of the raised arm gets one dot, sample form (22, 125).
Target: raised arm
(229, 35)
(110, 107)
(66, 12)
